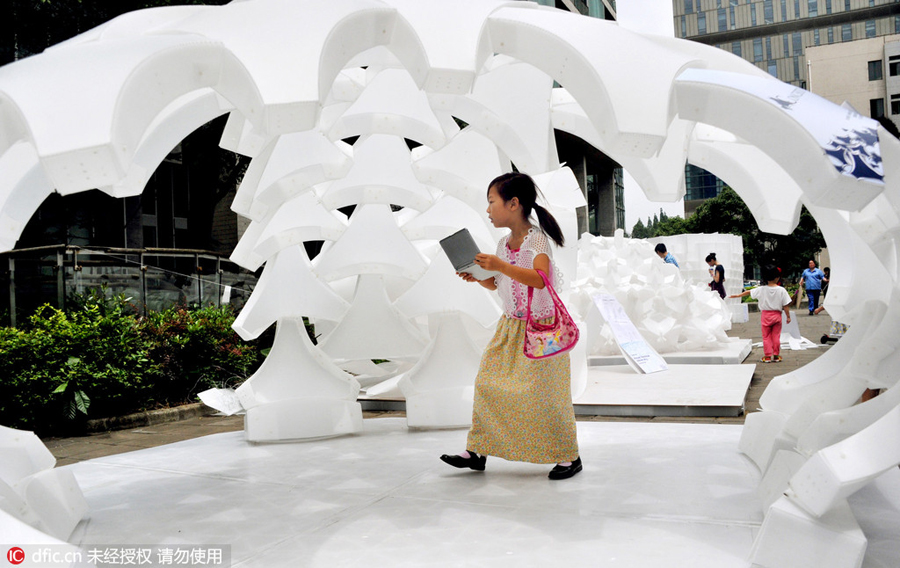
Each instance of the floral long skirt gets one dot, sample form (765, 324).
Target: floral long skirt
(523, 407)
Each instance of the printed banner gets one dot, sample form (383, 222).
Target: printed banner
(849, 139)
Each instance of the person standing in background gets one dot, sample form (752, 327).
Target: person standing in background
(664, 254)
(717, 273)
(811, 279)
(773, 299)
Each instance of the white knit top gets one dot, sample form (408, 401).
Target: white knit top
(513, 294)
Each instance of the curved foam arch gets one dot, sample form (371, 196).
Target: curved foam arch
(173, 124)
(107, 118)
(629, 110)
(752, 174)
(790, 125)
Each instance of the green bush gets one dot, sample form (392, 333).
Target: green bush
(195, 350)
(99, 359)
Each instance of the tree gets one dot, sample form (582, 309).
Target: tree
(639, 231)
(727, 213)
(672, 226)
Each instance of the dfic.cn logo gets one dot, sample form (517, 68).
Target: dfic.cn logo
(15, 555)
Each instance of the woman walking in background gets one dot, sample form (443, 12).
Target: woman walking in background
(717, 273)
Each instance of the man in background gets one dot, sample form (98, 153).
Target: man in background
(662, 253)
(812, 279)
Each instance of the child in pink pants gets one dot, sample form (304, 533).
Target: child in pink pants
(772, 300)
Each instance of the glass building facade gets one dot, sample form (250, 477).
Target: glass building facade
(773, 34)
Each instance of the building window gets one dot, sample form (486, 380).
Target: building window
(752, 14)
(773, 69)
(796, 9)
(757, 49)
(897, 24)
(796, 67)
(846, 5)
(768, 13)
(876, 108)
(870, 28)
(786, 45)
(688, 6)
(813, 8)
(846, 32)
(894, 65)
(768, 48)
(876, 73)
(827, 6)
(830, 35)
(871, 3)
(700, 184)
(701, 23)
(816, 36)
(723, 19)
(895, 104)
(798, 43)
(736, 48)
(731, 15)
(783, 10)
(718, 3)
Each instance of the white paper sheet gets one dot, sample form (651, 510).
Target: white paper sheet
(638, 353)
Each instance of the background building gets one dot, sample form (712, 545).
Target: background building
(775, 35)
(865, 74)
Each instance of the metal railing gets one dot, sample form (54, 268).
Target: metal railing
(152, 279)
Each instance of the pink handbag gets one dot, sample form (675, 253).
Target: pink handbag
(544, 340)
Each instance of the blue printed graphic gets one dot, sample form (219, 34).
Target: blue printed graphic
(855, 153)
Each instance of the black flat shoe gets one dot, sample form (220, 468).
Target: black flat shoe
(567, 471)
(474, 461)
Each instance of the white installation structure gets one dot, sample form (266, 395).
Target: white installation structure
(672, 308)
(472, 83)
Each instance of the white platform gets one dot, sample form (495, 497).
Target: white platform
(732, 353)
(674, 495)
(682, 390)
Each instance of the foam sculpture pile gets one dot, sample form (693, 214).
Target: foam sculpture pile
(34, 494)
(672, 312)
(470, 85)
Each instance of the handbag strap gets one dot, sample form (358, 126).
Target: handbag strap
(552, 294)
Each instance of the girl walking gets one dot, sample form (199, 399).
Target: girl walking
(772, 300)
(523, 407)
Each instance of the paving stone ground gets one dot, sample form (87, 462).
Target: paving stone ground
(75, 449)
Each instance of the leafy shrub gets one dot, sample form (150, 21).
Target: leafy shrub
(195, 350)
(101, 359)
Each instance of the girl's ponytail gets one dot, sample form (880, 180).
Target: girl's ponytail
(549, 225)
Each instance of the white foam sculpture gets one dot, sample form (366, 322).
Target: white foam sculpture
(296, 75)
(32, 491)
(671, 310)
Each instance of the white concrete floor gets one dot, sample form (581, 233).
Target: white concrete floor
(651, 495)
